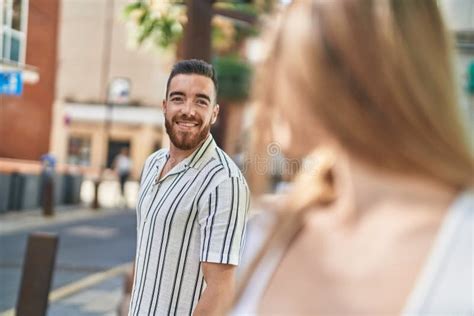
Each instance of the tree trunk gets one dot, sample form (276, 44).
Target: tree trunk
(197, 36)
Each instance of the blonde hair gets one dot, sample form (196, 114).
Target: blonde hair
(377, 75)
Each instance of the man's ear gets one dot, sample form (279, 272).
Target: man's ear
(163, 106)
(215, 113)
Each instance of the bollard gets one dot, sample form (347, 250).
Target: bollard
(95, 201)
(48, 195)
(37, 274)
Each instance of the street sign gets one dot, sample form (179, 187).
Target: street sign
(11, 83)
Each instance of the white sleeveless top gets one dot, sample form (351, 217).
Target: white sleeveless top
(444, 287)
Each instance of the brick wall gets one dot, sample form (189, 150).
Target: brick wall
(25, 121)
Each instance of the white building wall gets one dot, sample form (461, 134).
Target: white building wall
(83, 47)
(86, 64)
(459, 14)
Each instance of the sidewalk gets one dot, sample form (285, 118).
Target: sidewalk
(14, 221)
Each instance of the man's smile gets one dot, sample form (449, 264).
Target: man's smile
(186, 125)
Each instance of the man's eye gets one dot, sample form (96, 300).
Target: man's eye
(201, 102)
(176, 99)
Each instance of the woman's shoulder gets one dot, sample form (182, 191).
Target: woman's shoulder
(445, 286)
(259, 226)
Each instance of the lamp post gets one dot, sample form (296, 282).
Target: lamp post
(100, 178)
(107, 51)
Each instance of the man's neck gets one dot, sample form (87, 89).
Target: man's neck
(176, 155)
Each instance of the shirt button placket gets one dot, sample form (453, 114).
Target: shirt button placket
(154, 190)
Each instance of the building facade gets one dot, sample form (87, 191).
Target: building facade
(29, 31)
(108, 92)
(459, 15)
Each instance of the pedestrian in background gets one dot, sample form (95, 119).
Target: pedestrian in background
(383, 223)
(48, 166)
(123, 166)
(192, 207)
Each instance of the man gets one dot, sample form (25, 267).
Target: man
(47, 183)
(192, 207)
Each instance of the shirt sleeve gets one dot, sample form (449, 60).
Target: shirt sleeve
(223, 222)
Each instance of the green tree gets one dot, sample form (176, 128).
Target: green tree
(163, 23)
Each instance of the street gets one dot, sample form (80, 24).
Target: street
(92, 243)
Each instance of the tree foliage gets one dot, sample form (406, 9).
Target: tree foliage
(162, 22)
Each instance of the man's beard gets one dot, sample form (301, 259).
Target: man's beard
(185, 140)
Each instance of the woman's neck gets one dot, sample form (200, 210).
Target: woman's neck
(363, 189)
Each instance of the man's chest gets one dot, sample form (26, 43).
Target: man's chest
(175, 198)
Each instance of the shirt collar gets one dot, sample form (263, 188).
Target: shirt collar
(196, 159)
(201, 154)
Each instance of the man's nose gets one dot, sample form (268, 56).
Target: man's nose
(188, 107)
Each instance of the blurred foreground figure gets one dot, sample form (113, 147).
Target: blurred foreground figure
(381, 222)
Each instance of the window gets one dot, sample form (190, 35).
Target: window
(79, 151)
(14, 20)
(114, 148)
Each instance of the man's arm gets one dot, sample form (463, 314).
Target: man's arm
(220, 286)
(222, 219)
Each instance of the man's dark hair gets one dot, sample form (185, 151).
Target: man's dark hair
(190, 67)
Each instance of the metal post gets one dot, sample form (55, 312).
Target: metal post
(37, 274)
(95, 201)
(106, 57)
(48, 194)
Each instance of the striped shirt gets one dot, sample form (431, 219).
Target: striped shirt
(195, 213)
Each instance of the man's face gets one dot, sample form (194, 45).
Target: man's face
(189, 110)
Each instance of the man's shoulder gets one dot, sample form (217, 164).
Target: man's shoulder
(228, 167)
(155, 156)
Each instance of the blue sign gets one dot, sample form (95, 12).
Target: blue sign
(11, 83)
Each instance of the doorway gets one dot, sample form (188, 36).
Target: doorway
(114, 149)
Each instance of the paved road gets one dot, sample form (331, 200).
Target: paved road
(85, 247)
(99, 300)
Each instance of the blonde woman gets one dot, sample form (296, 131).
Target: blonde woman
(383, 225)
